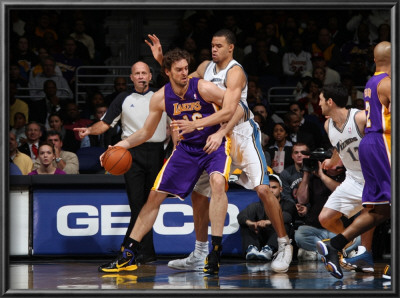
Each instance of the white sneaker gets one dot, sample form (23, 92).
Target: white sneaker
(252, 253)
(265, 253)
(282, 258)
(192, 262)
(307, 255)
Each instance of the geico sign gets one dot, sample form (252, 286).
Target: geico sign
(90, 224)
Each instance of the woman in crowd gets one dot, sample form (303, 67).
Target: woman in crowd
(280, 150)
(46, 156)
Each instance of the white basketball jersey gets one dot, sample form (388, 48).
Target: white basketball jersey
(346, 142)
(219, 79)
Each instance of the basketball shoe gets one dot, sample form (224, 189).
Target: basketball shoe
(330, 256)
(265, 253)
(211, 266)
(125, 261)
(252, 253)
(361, 262)
(282, 258)
(387, 272)
(192, 262)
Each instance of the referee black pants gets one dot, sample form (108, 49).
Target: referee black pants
(147, 160)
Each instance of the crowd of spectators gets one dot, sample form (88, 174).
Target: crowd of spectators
(301, 50)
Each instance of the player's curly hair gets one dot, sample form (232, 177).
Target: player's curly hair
(172, 56)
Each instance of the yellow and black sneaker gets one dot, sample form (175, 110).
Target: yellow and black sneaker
(330, 256)
(124, 262)
(387, 272)
(211, 266)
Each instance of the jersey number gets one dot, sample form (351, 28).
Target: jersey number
(195, 116)
(351, 153)
(368, 111)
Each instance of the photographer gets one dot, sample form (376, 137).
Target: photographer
(313, 191)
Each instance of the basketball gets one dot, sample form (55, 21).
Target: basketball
(117, 160)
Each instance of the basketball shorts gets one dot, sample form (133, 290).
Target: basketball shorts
(185, 165)
(375, 154)
(346, 198)
(247, 155)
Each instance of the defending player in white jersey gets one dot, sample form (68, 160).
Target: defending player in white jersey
(246, 151)
(345, 129)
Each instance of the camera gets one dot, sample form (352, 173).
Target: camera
(311, 164)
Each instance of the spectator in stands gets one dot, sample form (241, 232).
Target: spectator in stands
(255, 95)
(33, 134)
(16, 77)
(295, 62)
(269, 119)
(43, 26)
(19, 127)
(313, 191)
(37, 69)
(63, 160)
(292, 121)
(289, 29)
(80, 35)
(24, 56)
(310, 123)
(51, 43)
(319, 73)
(263, 66)
(292, 175)
(358, 46)
(21, 160)
(45, 161)
(68, 61)
(331, 75)
(16, 104)
(259, 239)
(37, 82)
(325, 46)
(354, 93)
(338, 30)
(92, 100)
(56, 123)
(40, 110)
(120, 84)
(73, 119)
(300, 92)
(267, 113)
(311, 100)
(373, 18)
(110, 137)
(191, 47)
(280, 149)
(359, 71)
(310, 34)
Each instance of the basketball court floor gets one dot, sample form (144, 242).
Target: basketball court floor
(236, 278)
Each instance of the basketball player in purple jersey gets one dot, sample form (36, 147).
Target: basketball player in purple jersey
(375, 159)
(182, 98)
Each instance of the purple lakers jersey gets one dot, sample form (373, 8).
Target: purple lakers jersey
(191, 107)
(378, 116)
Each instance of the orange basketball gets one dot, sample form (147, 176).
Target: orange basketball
(117, 160)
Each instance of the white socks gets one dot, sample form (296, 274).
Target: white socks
(201, 248)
